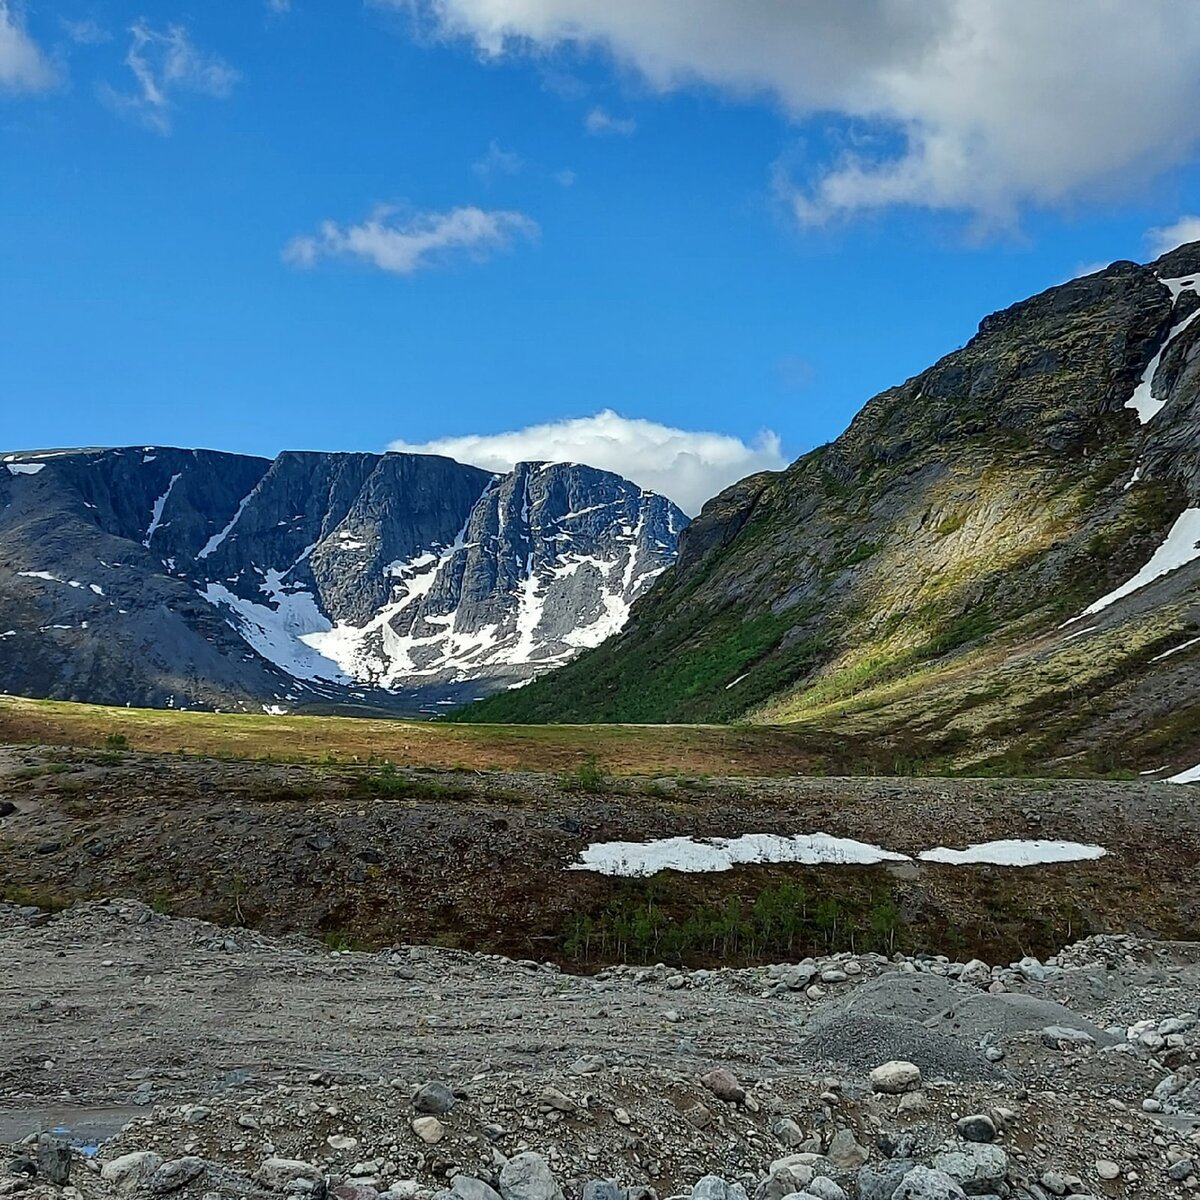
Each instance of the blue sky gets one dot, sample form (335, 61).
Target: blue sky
(257, 226)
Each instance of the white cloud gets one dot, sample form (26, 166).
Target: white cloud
(23, 66)
(565, 178)
(420, 240)
(687, 466)
(280, 6)
(979, 106)
(163, 64)
(85, 32)
(497, 161)
(599, 122)
(1186, 229)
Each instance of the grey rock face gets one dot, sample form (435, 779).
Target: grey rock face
(977, 1169)
(880, 1181)
(924, 1183)
(178, 1173)
(465, 1187)
(179, 578)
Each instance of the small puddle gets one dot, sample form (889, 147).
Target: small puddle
(84, 1126)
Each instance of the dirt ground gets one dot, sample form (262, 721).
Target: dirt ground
(479, 860)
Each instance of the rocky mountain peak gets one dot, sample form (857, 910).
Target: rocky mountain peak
(355, 577)
(996, 561)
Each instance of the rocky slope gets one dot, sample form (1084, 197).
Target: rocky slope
(995, 566)
(188, 578)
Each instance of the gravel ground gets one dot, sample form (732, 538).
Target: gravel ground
(235, 1047)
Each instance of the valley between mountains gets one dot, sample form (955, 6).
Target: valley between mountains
(828, 847)
(992, 570)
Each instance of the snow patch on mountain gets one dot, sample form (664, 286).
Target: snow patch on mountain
(1181, 546)
(278, 628)
(1143, 401)
(156, 513)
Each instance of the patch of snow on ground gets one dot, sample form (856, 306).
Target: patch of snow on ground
(704, 855)
(1182, 546)
(157, 512)
(39, 575)
(1014, 852)
(1191, 775)
(25, 468)
(274, 710)
(695, 856)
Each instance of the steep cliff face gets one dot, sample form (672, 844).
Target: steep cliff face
(191, 578)
(912, 588)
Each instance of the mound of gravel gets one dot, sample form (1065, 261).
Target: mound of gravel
(866, 1041)
(986, 1018)
(911, 997)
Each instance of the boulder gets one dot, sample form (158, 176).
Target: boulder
(278, 1174)
(53, 1159)
(978, 1170)
(724, 1085)
(527, 1177)
(435, 1098)
(131, 1170)
(176, 1174)
(926, 1183)
(896, 1077)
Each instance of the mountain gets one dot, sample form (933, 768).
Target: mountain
(993, 568)
(191, 578)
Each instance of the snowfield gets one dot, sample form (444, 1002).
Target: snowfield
(699, 855)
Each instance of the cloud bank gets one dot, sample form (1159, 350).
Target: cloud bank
(404, 246)
(687, 466)
(976, 106)
(23, 66)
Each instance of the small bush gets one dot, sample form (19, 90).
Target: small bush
(389, 782)
(589, 776)
(116, 741)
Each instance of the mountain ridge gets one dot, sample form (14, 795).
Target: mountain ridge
(312, 577)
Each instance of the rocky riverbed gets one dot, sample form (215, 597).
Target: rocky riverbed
(228, 1063)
